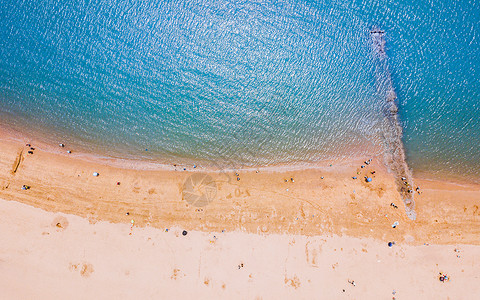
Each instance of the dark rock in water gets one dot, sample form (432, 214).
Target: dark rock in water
(378, 41)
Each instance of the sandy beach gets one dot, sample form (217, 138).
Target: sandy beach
(302, 233)
(103, 261)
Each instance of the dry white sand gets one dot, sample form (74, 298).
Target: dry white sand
(79, 260)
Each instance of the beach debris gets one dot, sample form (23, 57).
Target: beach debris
(69, 151)
(166, 229)
(96, 174)
(30, 152)
(118, 182)
(443, 277)
(354, 177)
(393, 204)
(194, 166)
(238, 178)
(287, 190)
(362, 166)
(240, 266)
(352, 282)
(25, 187)
(395, 224)
(61, 145)
(368, 179)
(390, 244)
(184, 169)
(127, 213)
(403, 178)
(184, 233)
(28, 145)
(146, 149)
(322, 177)
(291, 179)
(236, 174)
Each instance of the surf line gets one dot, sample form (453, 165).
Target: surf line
(394, 151)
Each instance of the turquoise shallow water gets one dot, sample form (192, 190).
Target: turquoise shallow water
(243, 83)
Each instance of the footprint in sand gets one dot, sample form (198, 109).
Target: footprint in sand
(293, 282)
(85, 269)
(206, 281)
(177, 274)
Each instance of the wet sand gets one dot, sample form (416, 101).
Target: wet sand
(258, 213)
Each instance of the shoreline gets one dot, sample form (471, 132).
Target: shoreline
(265, 202)
(10, 135)
(14, 136)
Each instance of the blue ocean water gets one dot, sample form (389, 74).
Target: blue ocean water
(248, 83)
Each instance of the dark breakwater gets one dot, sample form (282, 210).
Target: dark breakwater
(394, 154)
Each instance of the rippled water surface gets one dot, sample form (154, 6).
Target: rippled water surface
(247, 82)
